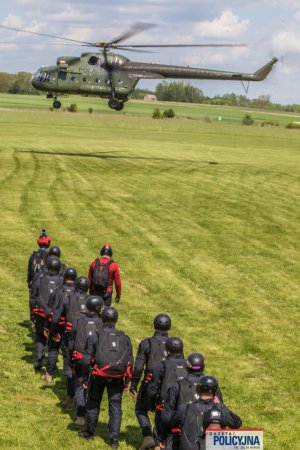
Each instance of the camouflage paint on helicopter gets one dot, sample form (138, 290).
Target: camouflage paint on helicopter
(115, 76)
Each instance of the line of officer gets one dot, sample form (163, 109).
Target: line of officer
(55, 342)
(111, 351)
(188, 418)
(150, 352)
(41, 295)
(182, 392)
(38, 257)
(82, 327)
(165, 374)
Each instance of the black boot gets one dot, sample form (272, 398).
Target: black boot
(114, 443)
(86, 435)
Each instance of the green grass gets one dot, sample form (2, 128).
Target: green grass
(204, 221)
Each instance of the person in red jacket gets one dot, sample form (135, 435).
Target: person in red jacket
(103, 272)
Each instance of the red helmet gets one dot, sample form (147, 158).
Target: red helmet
(43, 239)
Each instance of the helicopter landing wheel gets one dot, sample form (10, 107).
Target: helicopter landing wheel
(56, 104)
(119, 107)
(114, 103)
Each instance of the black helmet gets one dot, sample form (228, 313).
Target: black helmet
(195, 362)
(162, 322)
(109, 315)
(207, 385)
(106, 250)
(94, 303)
(174, 345)
(214, 415)
(70, 274)
(53, 264)
(55, 251)
(82, 284)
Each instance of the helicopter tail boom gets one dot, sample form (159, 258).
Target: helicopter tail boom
(144, 70)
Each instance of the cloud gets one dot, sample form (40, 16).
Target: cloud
(227, 24)
(287, 41)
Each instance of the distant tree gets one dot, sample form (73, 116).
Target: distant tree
(178, 92)
(72, 108)
(156, 114)
(168, 114)
(247, 119)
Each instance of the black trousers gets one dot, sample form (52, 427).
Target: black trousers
(40, 339)
(141, 413)
(107, 296)
(80, 392)
(53, 351)
(95, 393)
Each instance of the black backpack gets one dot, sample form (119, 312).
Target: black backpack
(175, 369)
(100, 275)
(112, 354)
(77, 307)
(86, 326)
(187, 391)
(157, 352)
(192, 435)
(38, 261)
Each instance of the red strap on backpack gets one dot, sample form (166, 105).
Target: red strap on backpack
(175, 430)
(100, 372)
(77, 355)
(39, 312)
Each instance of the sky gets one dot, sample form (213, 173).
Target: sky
(268, 27)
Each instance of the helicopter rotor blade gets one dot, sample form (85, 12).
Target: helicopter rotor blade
(178, 45)
(47, 35)
(136, 28)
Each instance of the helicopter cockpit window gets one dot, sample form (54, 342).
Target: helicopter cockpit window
(42, 77)
(93, 60)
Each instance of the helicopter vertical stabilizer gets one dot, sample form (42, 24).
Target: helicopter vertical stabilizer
(262, 73)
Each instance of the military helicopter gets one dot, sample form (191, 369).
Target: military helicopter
(113, 76)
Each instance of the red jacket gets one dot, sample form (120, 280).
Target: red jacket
(113, 275)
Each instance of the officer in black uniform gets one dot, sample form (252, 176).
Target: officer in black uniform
(183, 392)
(151, 351)
(82, 328)
(55, 339)
(165, 374)
(113, 361)
(38, 258)
(42, 294)
(189, 417)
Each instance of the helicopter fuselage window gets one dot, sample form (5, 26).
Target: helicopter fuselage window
(84, 79)
(73, 78)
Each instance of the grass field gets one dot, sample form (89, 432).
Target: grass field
(204, 221)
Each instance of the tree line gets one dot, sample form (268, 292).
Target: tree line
(175, 91)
